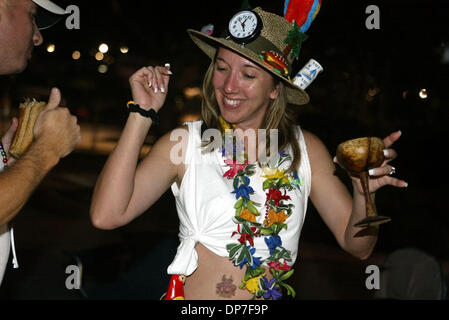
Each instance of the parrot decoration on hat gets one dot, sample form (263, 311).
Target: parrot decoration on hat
(302, 11)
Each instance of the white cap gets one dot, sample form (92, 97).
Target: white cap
(48, 17)
(50, 6)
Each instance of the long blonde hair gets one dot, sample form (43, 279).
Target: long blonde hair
(278, 116)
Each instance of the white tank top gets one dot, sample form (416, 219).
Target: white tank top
(205, 205)
(4, 249)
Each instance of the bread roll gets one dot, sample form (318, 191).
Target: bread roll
(29, 111)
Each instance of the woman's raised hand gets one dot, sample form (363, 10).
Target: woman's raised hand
(149, 86)
(381, 176)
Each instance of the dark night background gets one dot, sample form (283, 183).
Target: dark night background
(370, 86)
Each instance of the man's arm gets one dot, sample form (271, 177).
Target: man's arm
(21, 179)
(56, 134)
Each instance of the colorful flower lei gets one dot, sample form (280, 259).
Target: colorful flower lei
(277, 211)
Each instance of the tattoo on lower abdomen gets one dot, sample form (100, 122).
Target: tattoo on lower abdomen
(226, 288)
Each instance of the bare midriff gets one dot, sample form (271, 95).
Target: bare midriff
(214, 271)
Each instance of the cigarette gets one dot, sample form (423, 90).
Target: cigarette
(167, 65)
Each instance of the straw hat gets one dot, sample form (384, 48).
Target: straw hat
(270, 41)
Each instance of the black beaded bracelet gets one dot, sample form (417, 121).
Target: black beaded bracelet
(133, 107)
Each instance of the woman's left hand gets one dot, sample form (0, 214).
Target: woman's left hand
(382, 175)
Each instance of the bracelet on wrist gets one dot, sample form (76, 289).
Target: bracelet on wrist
(134, 107)
(4, 157)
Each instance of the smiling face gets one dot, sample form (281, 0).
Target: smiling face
(243, 89)
(18, 34)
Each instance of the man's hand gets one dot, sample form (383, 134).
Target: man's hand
(56, 129)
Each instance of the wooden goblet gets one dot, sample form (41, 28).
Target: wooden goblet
(358, 156)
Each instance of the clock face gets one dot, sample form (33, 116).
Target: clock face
(244, 26)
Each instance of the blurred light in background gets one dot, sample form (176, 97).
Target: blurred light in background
(51, 48)
(103, 48)
(76, 55)
(373, 92)
(102, 68)
(124, 49)
(404, 94)
(423, 94)
(191, 93)
(188, 117)
(99, 56)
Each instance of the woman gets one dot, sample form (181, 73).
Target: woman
(234, 211)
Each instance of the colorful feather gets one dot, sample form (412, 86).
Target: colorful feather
(302, 11)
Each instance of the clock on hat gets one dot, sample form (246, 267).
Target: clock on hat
(245, 26)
